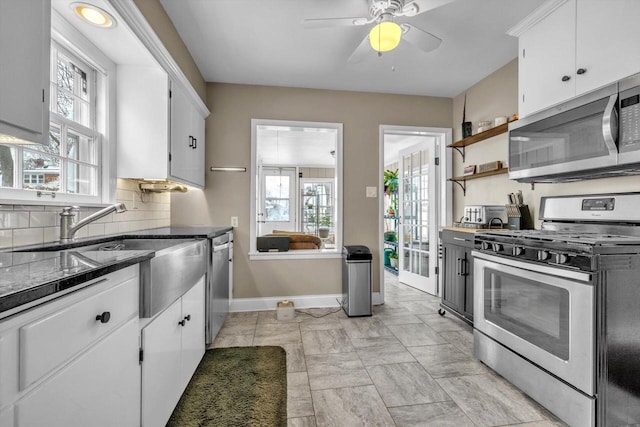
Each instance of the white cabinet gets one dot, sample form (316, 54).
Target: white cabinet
(172, 345)
(74, 361)
(25, 40)
(160, 130)
(573, 47)
(187, 138)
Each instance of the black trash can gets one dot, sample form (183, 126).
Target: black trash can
(357, 288)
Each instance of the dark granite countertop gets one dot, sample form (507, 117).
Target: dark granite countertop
(26, 277)
(29, 273)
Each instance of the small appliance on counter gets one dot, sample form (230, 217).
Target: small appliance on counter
(485, 216)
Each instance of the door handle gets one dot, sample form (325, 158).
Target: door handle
(610, 125)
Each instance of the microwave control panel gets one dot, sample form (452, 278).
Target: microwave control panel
(630, 120)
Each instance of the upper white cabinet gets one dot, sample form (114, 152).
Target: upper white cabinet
(160, 130)
(25, 40)
(569, 47)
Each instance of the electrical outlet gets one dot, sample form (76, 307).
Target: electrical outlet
(234, 221)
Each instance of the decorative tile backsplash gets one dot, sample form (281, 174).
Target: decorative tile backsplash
(28, 225)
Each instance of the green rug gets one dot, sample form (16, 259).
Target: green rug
(236, 386)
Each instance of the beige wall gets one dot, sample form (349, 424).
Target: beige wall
(35, 224)
(228, 136)
(155, 14)
(497, 95)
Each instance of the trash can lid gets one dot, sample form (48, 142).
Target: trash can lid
(357, 252)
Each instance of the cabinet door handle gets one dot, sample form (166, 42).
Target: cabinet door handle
(182, 322)
(187, 317)
(566, 78)
(581, 71)
(191, 139)
(458, 266)
(104, 317)
(195, 143)
(463, 266)
(460, 239)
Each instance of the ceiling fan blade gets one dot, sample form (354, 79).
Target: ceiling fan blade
(361, 51)
(417, 7)
(334, 22)
(420, 38)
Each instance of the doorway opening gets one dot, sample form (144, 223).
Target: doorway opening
(414, 209)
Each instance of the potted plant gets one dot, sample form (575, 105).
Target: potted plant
(393, 259)
(391, 190)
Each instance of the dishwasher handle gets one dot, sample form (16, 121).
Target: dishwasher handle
(221, 247)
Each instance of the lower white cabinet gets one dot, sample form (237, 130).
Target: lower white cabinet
(74, 361)
(172, 345)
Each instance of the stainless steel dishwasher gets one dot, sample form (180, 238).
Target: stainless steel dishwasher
(218, 289)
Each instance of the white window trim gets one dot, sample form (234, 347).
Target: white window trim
(71, 39)
(254, 255)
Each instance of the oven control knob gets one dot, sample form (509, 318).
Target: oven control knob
(497, 247)
(562, 258)
(543, 255)
(485, 246)
(517, 250)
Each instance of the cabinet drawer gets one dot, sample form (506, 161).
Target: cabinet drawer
(50, 341)
(459, 238)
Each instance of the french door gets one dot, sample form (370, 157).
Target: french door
(418, 234)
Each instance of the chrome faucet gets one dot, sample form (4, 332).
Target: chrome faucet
(69, 227)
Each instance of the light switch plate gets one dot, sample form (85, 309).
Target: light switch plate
(234, 221)
(372, 191)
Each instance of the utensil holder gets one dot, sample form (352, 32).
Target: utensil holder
(519, 217)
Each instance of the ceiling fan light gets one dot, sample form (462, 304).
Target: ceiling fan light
(385, 36)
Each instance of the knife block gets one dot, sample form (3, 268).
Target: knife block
(519, 217)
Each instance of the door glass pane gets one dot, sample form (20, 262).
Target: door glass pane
(534, 311)
(424, 264)
(406, 261)
(277, 209)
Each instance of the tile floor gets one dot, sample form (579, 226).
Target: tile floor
(404, 366)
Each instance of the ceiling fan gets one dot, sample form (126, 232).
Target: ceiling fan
(387, 33)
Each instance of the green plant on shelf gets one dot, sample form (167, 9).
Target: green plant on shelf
(391, 190)
(325, 221)
(393, 255)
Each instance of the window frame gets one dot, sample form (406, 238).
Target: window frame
(71, 40)
(255, 188)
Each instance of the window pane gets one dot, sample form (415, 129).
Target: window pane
(7, 154)
(70, 89)
(40, 172)
(53, 147)
(277, 210)
(81, 147)
(277, 186)
(81, 179)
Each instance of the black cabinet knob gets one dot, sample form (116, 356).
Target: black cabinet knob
(104, 317)
(182, 322)
(581, 71)
(566, 78)
(187, 317)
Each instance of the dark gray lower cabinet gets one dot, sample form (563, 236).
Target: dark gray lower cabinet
(457, 280)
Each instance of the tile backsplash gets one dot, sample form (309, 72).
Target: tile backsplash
(28, 225)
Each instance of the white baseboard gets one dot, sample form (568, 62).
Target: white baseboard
(303, 301)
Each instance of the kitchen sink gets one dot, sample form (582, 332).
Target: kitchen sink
(177, 265)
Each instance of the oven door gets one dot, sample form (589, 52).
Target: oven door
(542, 313)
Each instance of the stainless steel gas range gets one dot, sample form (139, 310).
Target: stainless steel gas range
(557, 310)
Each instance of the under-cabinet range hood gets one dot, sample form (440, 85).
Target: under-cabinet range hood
(162, 186)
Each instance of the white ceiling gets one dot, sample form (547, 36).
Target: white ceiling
(264, 42)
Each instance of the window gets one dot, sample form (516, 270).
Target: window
(297, 187)
(72, 164)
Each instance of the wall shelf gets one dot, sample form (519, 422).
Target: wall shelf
(462, 180)
(459, 146)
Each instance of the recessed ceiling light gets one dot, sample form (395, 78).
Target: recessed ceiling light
(93, 15)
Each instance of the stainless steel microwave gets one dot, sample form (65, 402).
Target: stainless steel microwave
(594, 135)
